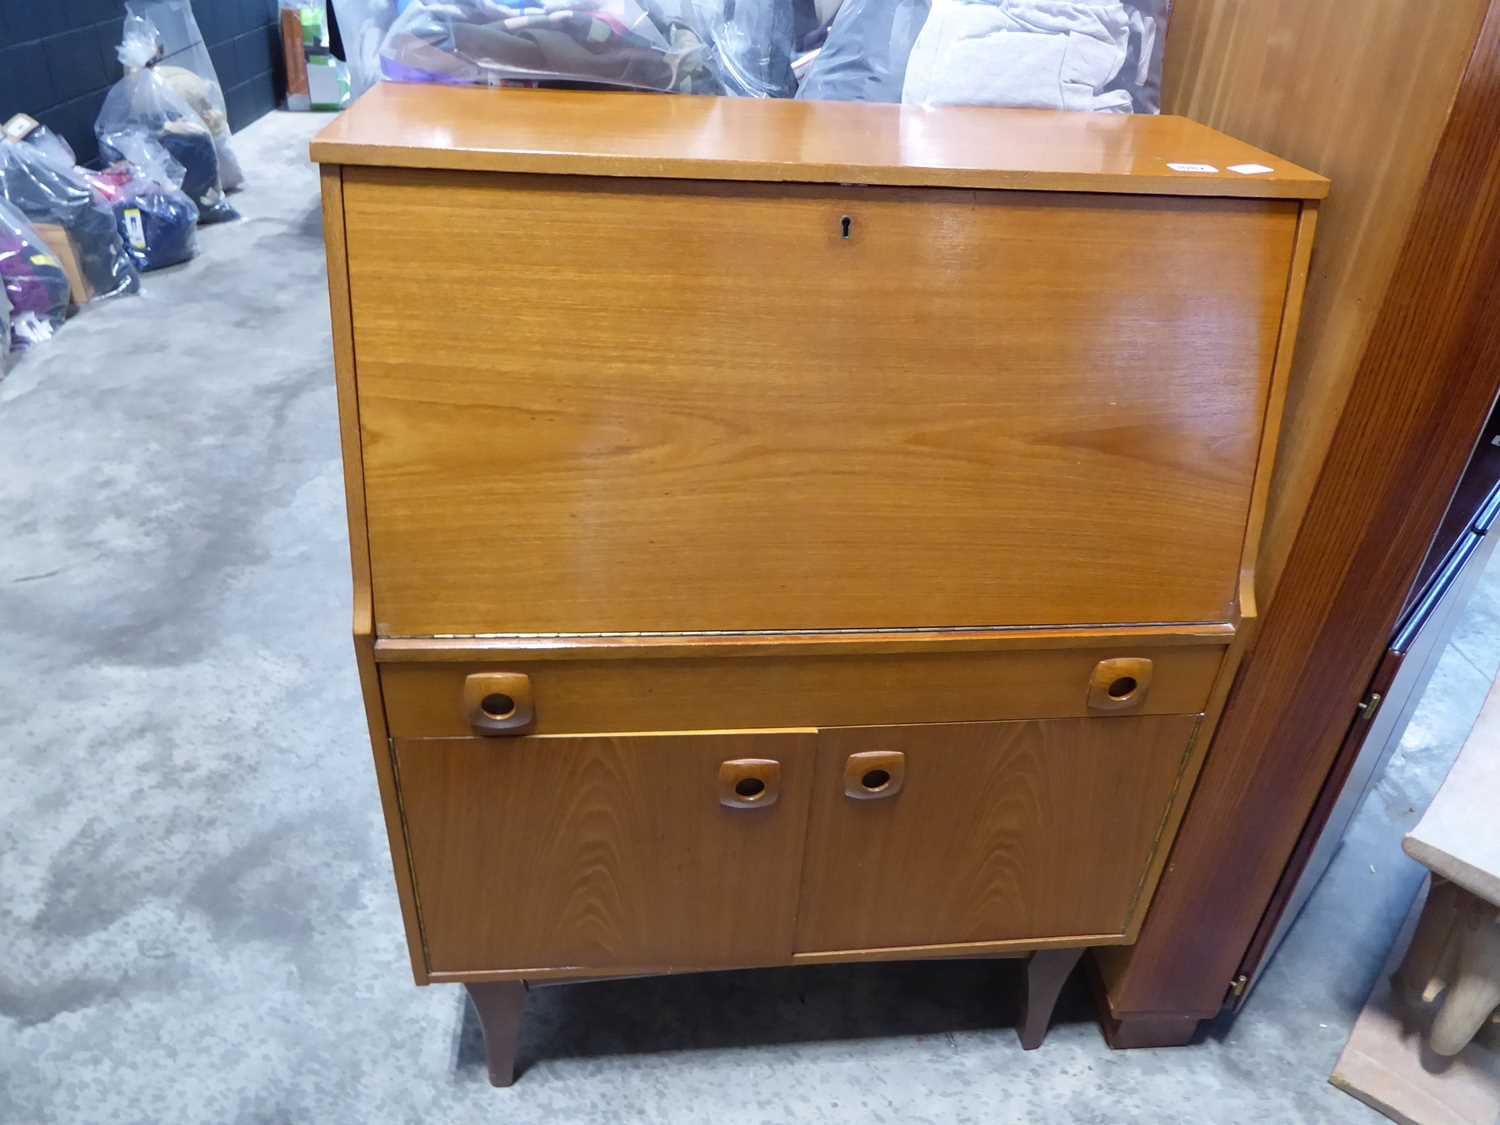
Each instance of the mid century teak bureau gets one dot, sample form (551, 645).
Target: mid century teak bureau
(790, 532)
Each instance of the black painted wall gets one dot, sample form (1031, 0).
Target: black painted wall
(57, 60)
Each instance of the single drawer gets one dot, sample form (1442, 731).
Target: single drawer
(669, 407)
(440, 700)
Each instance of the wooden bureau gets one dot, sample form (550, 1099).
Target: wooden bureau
(790, 532)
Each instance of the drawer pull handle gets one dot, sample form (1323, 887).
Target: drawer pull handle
(499, 703)
(874, 774)
(749, 783)
(1119, 684)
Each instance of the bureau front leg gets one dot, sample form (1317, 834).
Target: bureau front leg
(499, 1005)
(1046, 972)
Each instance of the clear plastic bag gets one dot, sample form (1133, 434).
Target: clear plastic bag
(57, 149)
(143, 104)
(36, 286)
(77, 227)
(188, 68)
(594, 42)
(156, 219)
(1102, 56)
(752, 43)
(864, 56)
(364, 25)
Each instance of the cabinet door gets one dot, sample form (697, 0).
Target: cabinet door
(713, 407)
(971, 832)
(612, 852)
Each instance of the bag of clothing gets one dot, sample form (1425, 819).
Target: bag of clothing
(864, 57)
(35, 285)
(156, 218)
(187, 67)
(650, 45)
(144, 105)
(1093, 55)
(77, 226)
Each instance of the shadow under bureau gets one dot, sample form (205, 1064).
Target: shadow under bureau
(790, 532)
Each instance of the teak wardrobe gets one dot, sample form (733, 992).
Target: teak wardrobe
(790, 532)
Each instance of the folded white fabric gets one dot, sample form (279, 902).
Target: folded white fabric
(1034, 54)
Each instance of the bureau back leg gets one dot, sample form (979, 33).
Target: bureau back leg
(499, 1005)
(1046, 970)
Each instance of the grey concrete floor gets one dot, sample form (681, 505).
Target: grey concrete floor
(196, 906)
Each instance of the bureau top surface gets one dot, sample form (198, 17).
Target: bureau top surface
(707, 138)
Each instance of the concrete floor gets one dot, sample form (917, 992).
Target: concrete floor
(195, 897)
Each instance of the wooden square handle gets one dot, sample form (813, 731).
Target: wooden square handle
(499, 703)
(749, 783)
(874, 774)
(1120, 684)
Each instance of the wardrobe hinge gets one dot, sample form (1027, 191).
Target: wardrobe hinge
(1237, 988)
(1368, 706)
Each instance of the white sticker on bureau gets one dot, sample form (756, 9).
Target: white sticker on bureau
(1192, 167)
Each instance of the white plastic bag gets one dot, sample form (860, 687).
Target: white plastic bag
(1101, 56)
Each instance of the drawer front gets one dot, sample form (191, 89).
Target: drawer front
(984, 832)
(606, 853)
(614, 406)
(731, 693)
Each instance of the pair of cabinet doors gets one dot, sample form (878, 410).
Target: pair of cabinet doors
(703, 850)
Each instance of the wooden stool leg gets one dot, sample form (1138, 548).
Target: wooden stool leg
(1046, 970)
(1473, 991)
(1423, 971)
(499, 1004)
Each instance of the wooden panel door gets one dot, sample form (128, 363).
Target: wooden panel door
(984, 831)
(609, 852)
(600, 406)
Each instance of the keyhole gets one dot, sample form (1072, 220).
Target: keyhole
(846, 222)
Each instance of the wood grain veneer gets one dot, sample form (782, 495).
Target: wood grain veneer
(1011, 425)
(576, 697)
(603, 851)
(1000, 830)
(733, 139)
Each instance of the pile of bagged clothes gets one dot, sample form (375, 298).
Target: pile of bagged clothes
(70, 235)
(1094, 55)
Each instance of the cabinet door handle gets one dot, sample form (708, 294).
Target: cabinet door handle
(749, 783)
(1120, 684)
(875, 774)
(499, 703)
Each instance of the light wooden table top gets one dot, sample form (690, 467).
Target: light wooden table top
(1459, 835)
(684, 137)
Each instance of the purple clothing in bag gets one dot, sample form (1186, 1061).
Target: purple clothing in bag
(34, 281)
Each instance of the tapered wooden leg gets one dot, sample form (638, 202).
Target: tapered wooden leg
(1046, 970)
(499, 1004)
